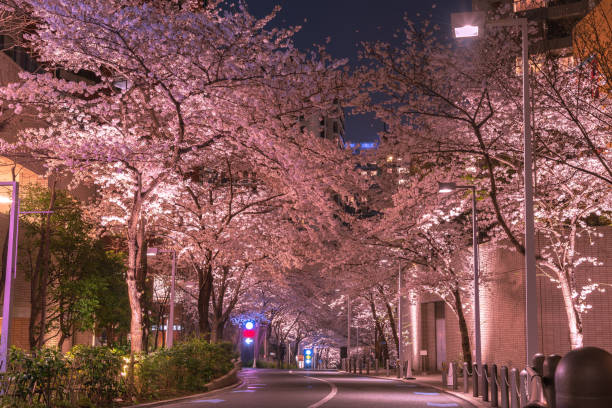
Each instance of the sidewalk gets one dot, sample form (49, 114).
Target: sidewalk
(435, 381)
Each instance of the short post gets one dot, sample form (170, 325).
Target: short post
(494, 399)
(399, 369)
(475, 380)
(376, 366)
(360, 367)
(466, 374)
(524, 377)
(455, 369)
(514, 392)
(368, 367)
(387, 365)
(444, 375)
(485, 382)
(503, 382)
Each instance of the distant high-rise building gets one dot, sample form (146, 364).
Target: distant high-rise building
(328, 126)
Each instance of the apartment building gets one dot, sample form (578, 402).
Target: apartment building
(555, 19)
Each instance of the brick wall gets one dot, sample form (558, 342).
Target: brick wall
(502, 299)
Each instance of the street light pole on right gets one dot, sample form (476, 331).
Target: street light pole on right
(472, 24)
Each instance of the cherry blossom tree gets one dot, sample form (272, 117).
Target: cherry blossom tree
(453, 113)
(169, 84)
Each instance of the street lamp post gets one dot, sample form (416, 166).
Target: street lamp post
(348, 340)
(399, 317)
(170, 330)
(9, 275)
(448, 188)
(469, 25)
(11, 266)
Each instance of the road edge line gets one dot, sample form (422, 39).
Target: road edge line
(153, 404)
(423, 384)
(332, 393)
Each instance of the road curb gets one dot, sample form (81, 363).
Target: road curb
(215, 386)
(475, 404)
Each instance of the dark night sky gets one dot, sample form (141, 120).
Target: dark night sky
(348, 22)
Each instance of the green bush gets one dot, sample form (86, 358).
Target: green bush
(86, 376)
(37, 378)
(98, 370)
(95, 376)
(188, 366)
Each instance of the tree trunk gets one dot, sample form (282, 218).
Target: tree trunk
(378, 330)
(463, 329)
(205, 280)
(136, 281)
(218, 326)
(574, 319)
(391, 320)
(40, 280)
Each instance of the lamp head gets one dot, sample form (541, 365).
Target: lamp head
(447, 187)
(469, 24)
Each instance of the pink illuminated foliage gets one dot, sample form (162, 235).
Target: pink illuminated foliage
(455, 112)
(173, 84)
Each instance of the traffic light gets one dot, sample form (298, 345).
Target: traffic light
(307, 358)
(248, 332)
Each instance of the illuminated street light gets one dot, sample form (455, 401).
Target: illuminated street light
(466, 31)
(460, 23)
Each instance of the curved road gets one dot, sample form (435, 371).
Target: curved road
(264, 388)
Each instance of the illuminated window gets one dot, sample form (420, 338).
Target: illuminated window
(520, 5)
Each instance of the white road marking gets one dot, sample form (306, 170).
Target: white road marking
(244, 391)
(442, 404)
(212, 401)
(332, 394)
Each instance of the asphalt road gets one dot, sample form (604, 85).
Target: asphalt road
(327, 389)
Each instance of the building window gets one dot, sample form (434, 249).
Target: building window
(322, 134)
(520, 5)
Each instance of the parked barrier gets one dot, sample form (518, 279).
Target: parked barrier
(466, 374)
(484, 371)
(475, 380)
(494, 386)
(514, 389)
(504, 385)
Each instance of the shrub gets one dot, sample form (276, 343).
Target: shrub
(188, 366)
(37, 378)
(98, 370)
(86, 376)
